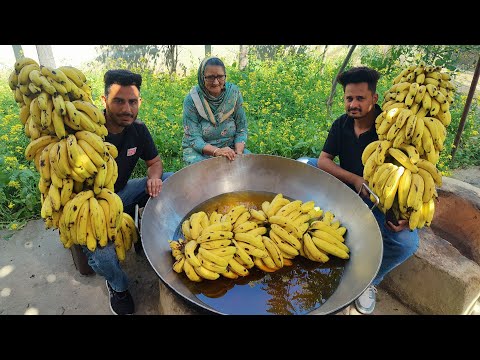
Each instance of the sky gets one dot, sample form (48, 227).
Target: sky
(76, 55)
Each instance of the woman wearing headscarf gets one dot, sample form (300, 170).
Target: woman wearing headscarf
(214, 120)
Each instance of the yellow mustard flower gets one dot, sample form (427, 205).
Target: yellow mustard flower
(14, 184)
(11, 161)
(14, 226)
(11, 205)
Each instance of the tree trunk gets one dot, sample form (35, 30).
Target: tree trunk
(171, 58)
(18, 51)
(243, 59)
(334, 83)
(322, 59)
(208, 50)
(466, 109)
(45, 55)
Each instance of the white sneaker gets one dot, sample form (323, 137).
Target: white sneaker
(365, 303)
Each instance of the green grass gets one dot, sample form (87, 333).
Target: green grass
(285, 105)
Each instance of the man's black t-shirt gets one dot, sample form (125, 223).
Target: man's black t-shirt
(342, 141)
(133, 142)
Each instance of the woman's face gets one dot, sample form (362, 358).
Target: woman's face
(214, 79)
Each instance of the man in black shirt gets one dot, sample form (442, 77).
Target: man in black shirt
(348, 137)
(133, 141)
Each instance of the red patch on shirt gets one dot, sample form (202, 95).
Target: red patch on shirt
(131, 151)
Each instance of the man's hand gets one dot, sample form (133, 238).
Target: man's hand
(358, 185)
(154, 186)
(402, 224)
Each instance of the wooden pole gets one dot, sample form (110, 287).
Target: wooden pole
(461, 126)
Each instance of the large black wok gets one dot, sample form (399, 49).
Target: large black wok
(197, 183)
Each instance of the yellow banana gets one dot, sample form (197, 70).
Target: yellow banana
(24, 114)
(236, 211)
(62, 159)
(190, 248)
(284, 246)
(436, 175)
(292, 240)
(367, 152)
(73, 206)
(54, 194)
(120, 246)
(259, 215)
(190, 272)
(67, 191)
(403, 190)
(215, 244)
(178, 265)
(274, 251)
(391, 186)
(227, 251)
(223, 226)
(427, 140)
(237, 268)
(99, 182)
(97, 158)
(418, 132)
(209, 236)
(73, 113)
(275, 205)
(429, 211)
(252, 250)
(73, 74)
(46, 115)
(60, 90)
(38, 144)
(112, 149)
(81, 223)
(243, 255)
(111, 232)
(323, 235)
(330, 248)
(415, 195)
(400, 138)
(320, 225)
(242, 219)
(207, 254)
(206, 273)
(91, 110)
(258, 231)
(115, 206)
(316, 254)
(412, 152)
(307, 206)
(45, 162)
(250, 239)
(195, 227)
(410, 126)
(403, 159)
(288, 208)
(286, 223)
(129, 223)
(98, 223)
(246, 226)
(429, 185)
(414, 218)
(23, 75)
